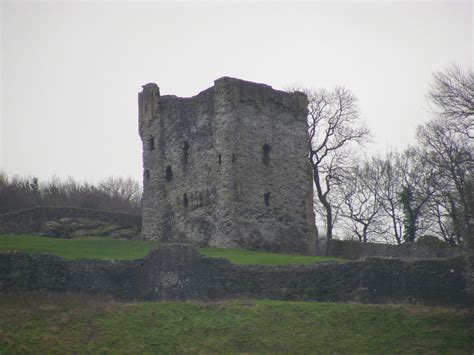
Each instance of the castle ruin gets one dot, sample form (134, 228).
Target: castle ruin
(227, 167)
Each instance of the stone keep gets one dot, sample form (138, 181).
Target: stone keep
(227, 167)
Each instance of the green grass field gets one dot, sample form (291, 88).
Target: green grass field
(106, 248)
(77, 324)
(240, 256)
(78, 248)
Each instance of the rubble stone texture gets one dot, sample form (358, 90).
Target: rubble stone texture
(179, 272)
(227, 167)
(32, 220)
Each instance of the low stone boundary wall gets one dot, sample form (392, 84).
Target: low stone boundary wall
(30, 220)
(179, 272)
(354, 250)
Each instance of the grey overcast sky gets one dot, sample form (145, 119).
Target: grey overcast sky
(71, 71)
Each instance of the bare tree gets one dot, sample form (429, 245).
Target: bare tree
(334, 127)
(452, 94)
(444, 209)
(115, 194)
(417, 189)
(448, 146)
(125, 189)
(389, 187)
(362, 204)
(18, 193)
(448, 153)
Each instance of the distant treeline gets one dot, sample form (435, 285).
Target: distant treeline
(111, 194)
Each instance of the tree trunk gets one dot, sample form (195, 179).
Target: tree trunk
(366, 227)
(329, 223)
(410, 229)
(327, 206)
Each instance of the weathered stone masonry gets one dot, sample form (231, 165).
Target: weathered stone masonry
(354, 250)
(178, 272)
(227, 167)
(32, 219)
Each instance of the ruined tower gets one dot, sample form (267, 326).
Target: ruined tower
(227, 167)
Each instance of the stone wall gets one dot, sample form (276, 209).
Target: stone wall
(179, 272)
(470, 273)
(30, 220)
(227, 167)
(354, 250)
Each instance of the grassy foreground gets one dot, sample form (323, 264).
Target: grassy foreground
(71, 324)
(106, 248)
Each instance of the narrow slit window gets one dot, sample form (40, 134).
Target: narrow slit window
(146, 108)
(168, 173)
(220, 159)
(185, 201)
(266, 198)
(266, 154)
(146, 174)
(151, 143)
(234, 158)
(185, 152)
